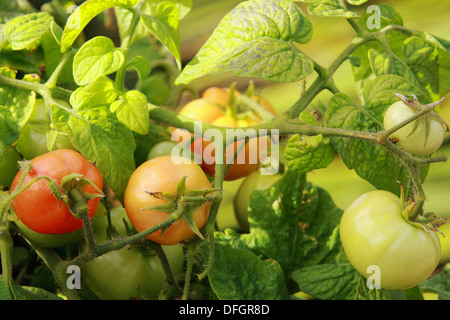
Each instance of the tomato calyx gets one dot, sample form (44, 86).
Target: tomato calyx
(183, 203)
(426, 119)
(73, 194)
(412, 212)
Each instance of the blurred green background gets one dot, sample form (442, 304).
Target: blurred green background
(330, 37)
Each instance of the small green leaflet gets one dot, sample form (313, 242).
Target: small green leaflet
(163, 24)
(101, 138)
(307, 153)
(84, 14)
(96, 57)
(20, 102)
(101, 91)
(9, 132)
(25, 32)
(255, 39)
(132, 110)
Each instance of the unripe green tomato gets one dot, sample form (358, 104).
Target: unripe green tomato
(9, 166)
(381, 244)
(128, 272)
(54, 240)
(415, 143)
(254, 181)
(163, 148)
(33, 136)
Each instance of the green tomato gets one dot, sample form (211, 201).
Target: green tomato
(254, 181)
(445, 243)
(49, 240)
(382, 245)
(33, 136)
(163, 148)
(129, 272)
(54, 240)
(9, 166)
(415, 142)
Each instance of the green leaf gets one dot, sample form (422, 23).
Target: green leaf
(387, 16)
(83, 14)
(20, 102)
(370, 161)
(256, 39)
(51, 46)
(422, 57)
(141, 66)
(328, 281)
(439, 283)
(132, 110)
(25, 32)
(101, 91)
(124, 17)
(328, 8)
(9, 131)
(163, 24)
(102, 139)
(96, 57)
(307, 153)
(238, 274)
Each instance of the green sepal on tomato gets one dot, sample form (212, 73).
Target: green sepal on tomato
(130, 272)
(34, 136)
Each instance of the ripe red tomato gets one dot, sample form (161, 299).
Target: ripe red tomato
(162, 174)
(38, 208)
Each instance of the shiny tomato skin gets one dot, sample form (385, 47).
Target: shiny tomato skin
(162, 174)
(38, 208)
(374, 233)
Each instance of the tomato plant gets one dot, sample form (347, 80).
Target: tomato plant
(132, 271)
(38, 208)
(375, 231)
(162, 175)
(96, 96)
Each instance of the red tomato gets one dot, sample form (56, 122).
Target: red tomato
(38, 208)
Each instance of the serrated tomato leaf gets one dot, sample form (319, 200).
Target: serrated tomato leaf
(101, 138)
(256, 39)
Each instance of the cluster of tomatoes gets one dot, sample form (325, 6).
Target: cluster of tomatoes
(45, 221)
(400, 247)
